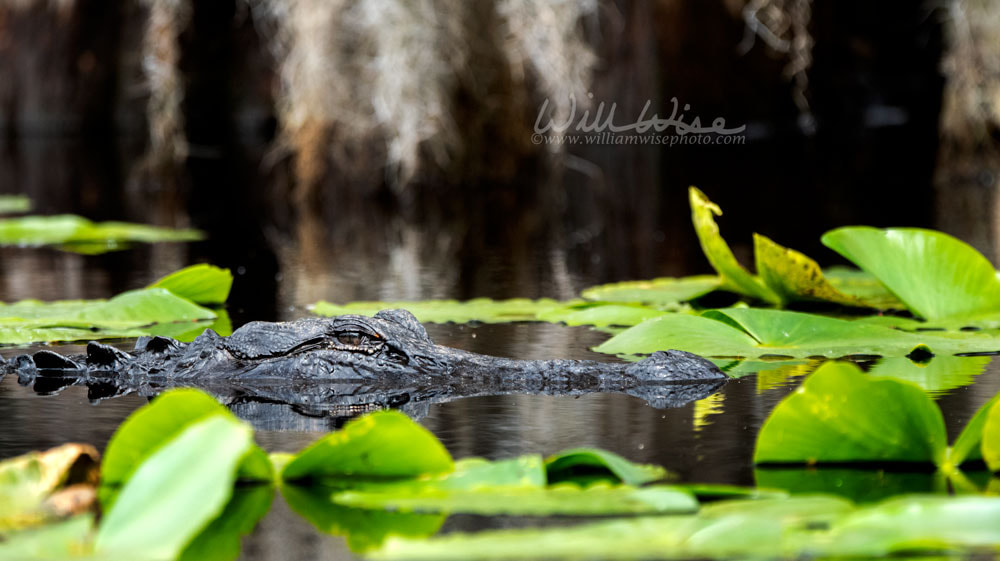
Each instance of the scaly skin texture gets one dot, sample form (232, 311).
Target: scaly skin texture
(353, 362)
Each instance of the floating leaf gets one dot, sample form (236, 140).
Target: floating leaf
(11, 204)
(471, 473)
(754, 332)
(201, 284)
(915, 523)
(588, 463)
(563, 499)
(937, 376)
(135, 308)
(75, 233)
(177, 491)
(841, 415)
(220, 540)
(27, 481)
(126, 315)
(935, 275)
(729, 529)
(734, 276)
(53, 542)
(967, 445)
(857, 484)
(364, 529)
(696, 334)
(384, 444)
(599, 314)
(156, 425)
(712, 491)
(969, 326)
(27, 335)
(991, 435)
(445, 311)
(187, 332)
(518, 486)
(794, 276)
(788, 373)
(772, 372)
(798, 527)
(862, 286)
(665, 291)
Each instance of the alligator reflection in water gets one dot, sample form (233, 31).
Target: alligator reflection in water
(344, 366)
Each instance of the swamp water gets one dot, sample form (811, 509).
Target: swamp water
(280, 267)
(710, 440)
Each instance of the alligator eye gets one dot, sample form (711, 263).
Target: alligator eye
(351, 339)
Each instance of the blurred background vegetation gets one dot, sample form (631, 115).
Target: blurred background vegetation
(336, 131)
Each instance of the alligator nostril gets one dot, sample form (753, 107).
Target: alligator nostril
(398, 400)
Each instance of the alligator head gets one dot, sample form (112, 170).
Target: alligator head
(391, 344)
(327, 360)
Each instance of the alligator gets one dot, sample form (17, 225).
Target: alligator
(347, 365)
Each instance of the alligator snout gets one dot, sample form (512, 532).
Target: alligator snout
(674, 366)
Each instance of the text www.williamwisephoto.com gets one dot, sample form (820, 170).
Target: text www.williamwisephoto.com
(601, 128)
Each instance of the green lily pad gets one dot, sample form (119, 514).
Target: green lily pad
(991, 435)
(967, 445)
(754, 332)
(201, 284)
(771, 373)
(575, 312)
(53, 542)
(714, 491)
(969, 326)
(12, 204)
(917, 523)
(156, 425)
(580, 482)
(27, 481)
(176, 492)
(469, 474)
(797, 527)
(75, 233)
(863, 486)
(386, 461)
(728, 529)
(935, 275)
(129, 314)
(696, 334)
(864, 286)
(526, 471)
(363, 529)
(785, 275)
(586, 464)
(381, 445)
(563, 499)
(841, 415)
(665, 291)
(447, 311)
(937, 376)
(734, 277)
(187, 332)
(220, 540)
(796, 277)
(599, 314)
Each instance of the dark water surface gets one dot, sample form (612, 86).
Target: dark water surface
(710, 440)
(283, 264)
